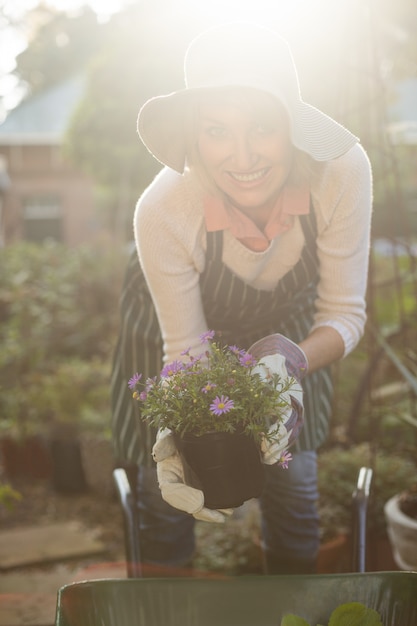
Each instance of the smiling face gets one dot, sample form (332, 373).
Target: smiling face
(244, 148)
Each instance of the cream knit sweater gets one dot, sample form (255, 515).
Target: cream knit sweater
(171, 241)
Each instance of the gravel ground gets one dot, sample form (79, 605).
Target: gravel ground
(40, 504)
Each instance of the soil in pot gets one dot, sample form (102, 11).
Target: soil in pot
(227, 467)
(407, 502)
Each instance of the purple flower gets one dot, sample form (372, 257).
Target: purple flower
(186, 352)
(150, 382)
(236, 350)
(172, 368)
(134, 380)
(247, 360)
(143, 395)
(193, 362)
(221, 405)
(208, 387)
(284, 459)
(205, 337)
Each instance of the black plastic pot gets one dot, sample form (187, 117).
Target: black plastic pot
(67, 469)
(227, 467)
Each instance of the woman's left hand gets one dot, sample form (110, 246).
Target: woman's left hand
(286, 429)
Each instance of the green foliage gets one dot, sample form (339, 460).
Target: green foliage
(348, 614)
(8, 496)
(59, 317)
(185, 396)
(293, 620)
(337, 474)
(75, 391)
(354, 614)
(56, 301)
(230, 548)
(393, 288)
(61, 47)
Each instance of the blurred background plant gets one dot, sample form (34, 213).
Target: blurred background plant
(59, 315)
(338, 470)
(8, 496)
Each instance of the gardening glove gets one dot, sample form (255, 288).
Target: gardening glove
(296, 362)
(174, 491)
(282, 434)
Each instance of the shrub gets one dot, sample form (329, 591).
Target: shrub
(57, 305)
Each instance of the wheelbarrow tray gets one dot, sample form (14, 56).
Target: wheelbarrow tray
(240, 601)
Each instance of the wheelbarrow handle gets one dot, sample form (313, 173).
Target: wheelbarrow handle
(130, 517)
(360, 501)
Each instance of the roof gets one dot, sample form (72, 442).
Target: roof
(44, 117)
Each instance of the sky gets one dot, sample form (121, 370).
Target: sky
(17, 8)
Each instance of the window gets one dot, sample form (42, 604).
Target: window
(42, 218)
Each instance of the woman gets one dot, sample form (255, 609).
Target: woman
(259, 224)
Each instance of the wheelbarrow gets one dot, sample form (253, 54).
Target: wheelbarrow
(236, 601)
(240, 601)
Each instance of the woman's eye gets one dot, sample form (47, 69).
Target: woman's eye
(215, 131)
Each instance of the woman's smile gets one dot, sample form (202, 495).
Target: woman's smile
(250, 177)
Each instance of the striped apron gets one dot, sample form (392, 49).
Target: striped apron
(243, 313)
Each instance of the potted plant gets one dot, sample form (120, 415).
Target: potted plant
(401, 516)
(72, 402)
(219, 408)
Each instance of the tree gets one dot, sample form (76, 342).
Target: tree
(142, 56)
(60, 47)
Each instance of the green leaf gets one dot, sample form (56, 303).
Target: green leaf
(293, 620)
(354, 614)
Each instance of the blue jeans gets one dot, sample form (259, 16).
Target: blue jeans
(290, 521)
(166, 534)
(290, 524)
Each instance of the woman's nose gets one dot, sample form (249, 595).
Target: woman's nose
(244, 153)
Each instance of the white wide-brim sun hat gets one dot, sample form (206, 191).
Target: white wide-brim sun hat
(240, 55)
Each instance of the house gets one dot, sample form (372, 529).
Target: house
(43, 195)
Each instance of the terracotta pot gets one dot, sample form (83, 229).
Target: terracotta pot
(227, 467)
(28, 457)
(68, 472)
(334, 555)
